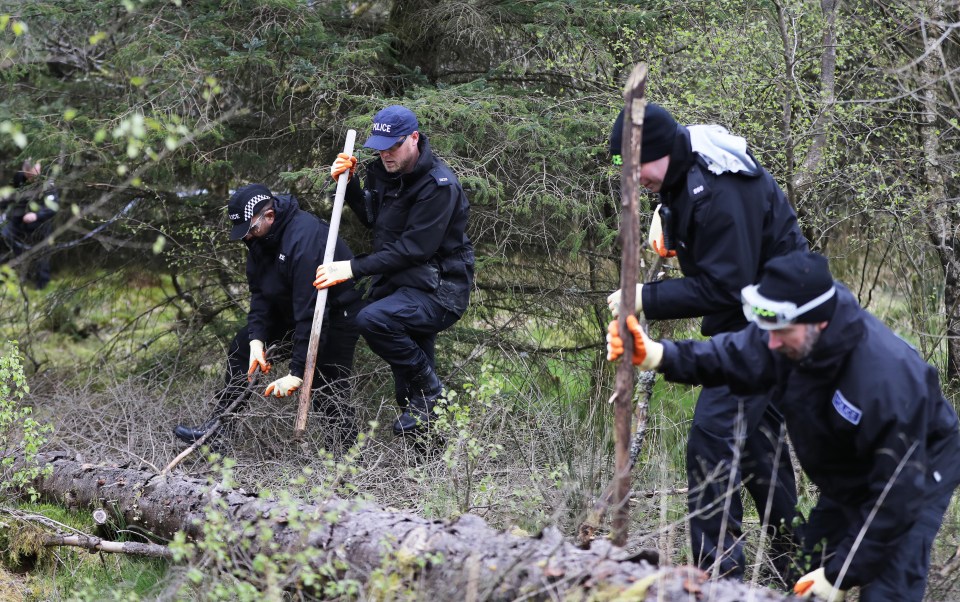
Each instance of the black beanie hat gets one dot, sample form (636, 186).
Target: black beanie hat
(659, 132)
(799, 277)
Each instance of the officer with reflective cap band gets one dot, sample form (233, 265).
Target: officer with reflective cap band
(421, 261)
(284, 245)
(865, 413)
(723, 216)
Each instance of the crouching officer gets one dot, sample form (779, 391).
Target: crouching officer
(285, 244)
(29, 214)
(866, 415)
(422, 260)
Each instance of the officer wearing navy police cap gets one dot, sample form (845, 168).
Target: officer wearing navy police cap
(421, 262)
(866, 415)
(723, 217)
(285, 244)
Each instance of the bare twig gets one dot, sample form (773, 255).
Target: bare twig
(95, 544)
(216, 424)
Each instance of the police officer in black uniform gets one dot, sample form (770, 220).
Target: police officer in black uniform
(723, 216)
(865, 413)
(421, 262)
(285, 244)
(29, 214)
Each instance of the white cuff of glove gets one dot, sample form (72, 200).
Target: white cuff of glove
(815, 583)
(283, 386)
(330, 274)
(656, 227)
(257, 358)
(613, 301)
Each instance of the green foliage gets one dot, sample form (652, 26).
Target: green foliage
(222, 565)
(20, 435)
(73, 573)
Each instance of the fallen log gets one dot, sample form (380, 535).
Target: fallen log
(463, 558)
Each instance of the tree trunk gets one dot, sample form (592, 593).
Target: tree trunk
(463, 558)
(943, 217)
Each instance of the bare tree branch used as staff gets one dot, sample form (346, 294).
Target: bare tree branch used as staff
(634, 105)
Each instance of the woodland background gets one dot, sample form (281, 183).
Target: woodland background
(146, 114)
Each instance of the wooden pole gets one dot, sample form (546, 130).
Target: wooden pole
(328, 252)
(634, 106)
(591, 524)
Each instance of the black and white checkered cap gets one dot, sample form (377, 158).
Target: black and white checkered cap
(244, 204)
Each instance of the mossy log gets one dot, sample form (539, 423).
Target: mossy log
(459, 559)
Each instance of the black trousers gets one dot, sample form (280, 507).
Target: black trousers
(18, 241)
(904, 576)
(332, 375)
(723, 421)
(402, 329)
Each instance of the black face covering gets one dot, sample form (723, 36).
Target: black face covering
(681, 159)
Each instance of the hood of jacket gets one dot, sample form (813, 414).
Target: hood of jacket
(722, 151)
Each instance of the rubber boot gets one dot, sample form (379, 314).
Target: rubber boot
(401, 392)
(425, 389)
(190, 435)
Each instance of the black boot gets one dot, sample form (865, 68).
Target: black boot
(191, 435)
(401, 393)
(424, 391)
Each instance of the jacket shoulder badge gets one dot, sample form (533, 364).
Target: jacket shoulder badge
(442, 176)
(847, 410)
(696, 183)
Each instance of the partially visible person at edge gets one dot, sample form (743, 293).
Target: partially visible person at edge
(29, 213)
(722, 216)
(284, 246)
(865, 413)
(421, 262)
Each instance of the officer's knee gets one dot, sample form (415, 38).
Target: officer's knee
(370, 320)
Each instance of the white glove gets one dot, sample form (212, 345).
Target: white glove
(815, 584)
(655, 238)
(257, 359)
(330, 274)
(613, 302)
(283, 386)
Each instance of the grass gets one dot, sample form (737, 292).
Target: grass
(35, 572)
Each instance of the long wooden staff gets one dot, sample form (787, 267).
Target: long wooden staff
(590, 525)
(634, 105)
(328, 252)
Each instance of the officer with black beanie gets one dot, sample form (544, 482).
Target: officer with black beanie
(723, 217)
(866, 415)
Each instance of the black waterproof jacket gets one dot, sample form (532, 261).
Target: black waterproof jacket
(724, 228)
(36, 197)
(863, 411)
(419, 222)
(281, 268)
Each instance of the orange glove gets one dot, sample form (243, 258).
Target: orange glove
(647, 353)
(257, 359)
(655, 237)
(342, 163)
